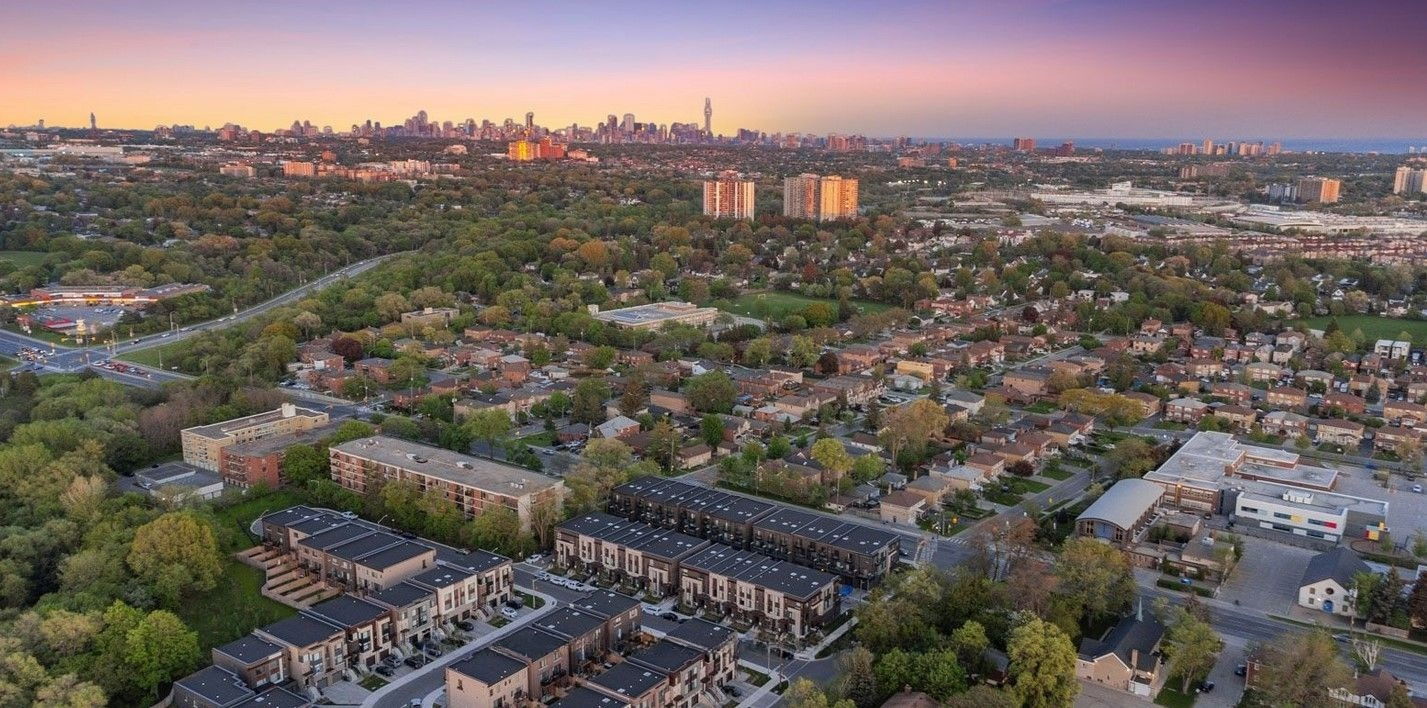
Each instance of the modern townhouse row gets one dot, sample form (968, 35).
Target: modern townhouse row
(395, 593)
(744, 585)
(593, 653)
(860, 554)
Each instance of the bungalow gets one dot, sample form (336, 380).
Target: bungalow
(850, 390)
(989, 465)
(617, 427)
(857, 358)
(902, 507)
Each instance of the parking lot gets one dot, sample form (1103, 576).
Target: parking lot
(1268, 575)
(94, 317)
(1406, 509)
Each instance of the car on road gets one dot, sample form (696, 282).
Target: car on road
(1417, 488)
(1241, 670)
(534, 558)
(672, 617)
(1204, 687)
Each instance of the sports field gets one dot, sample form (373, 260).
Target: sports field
(1373, 327)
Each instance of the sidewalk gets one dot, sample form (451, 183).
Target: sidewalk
(811, 653)
(764, 691)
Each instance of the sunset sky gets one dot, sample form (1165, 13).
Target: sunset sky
(1072, 68)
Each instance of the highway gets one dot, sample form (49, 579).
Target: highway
(66, 359)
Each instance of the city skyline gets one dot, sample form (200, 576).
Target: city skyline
(1033, 67)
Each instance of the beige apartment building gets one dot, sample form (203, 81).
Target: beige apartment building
(728, 197)
(474, 484)
(820, 198)
(203, 444)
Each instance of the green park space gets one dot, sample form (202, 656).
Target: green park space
(24, 258)
(233, 608)
(1373, 327)
(160, 356)
(777, 305)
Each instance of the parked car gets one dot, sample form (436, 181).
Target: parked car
(509, 613)
(534, 558)
(1417, 488)
(466, 625)
(1241, 670)
(515, 604)
(415, 661)
(384, 670)
(1205, 687)
(672, 617)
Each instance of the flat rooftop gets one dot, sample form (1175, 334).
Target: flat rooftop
(757, 569)
(486, 475)
(1208, 457)
(225, 429)
(653, 312)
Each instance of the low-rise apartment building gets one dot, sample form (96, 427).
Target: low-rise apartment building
(473, 484)
(203, 444)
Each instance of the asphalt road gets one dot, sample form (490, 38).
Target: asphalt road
(66, 359)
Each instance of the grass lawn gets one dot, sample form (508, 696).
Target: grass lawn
(1021, 485)
(239, 516)
(1373, 327)
(780, 304)
(544, 438)
(6, 363)
(530, 601)
(1041, 407)
(498, 621)
(23, 258)
(157, 356)
(1003, 498)
(232, 609)
(1169, 696)
(1056, 473)
(372, 682)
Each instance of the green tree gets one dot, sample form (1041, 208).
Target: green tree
(830, 453)
(1192, 647)
(160, 649)
(176, 555)
(1096, 577)
(489, 425)
(301, 463)
(858, 681)
(711, 428)
(1302, 672)
(1042, 670)
(588, 404)
(711, 392)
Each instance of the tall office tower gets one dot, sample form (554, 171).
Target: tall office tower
(728, 197)
(708, 116)
(1318, 189)
(93, 124)
(627, 125)
(1274, 149)
(1208, 146)
(829, 198)
(1408, 180)
(530, 120)
(1024, 144)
